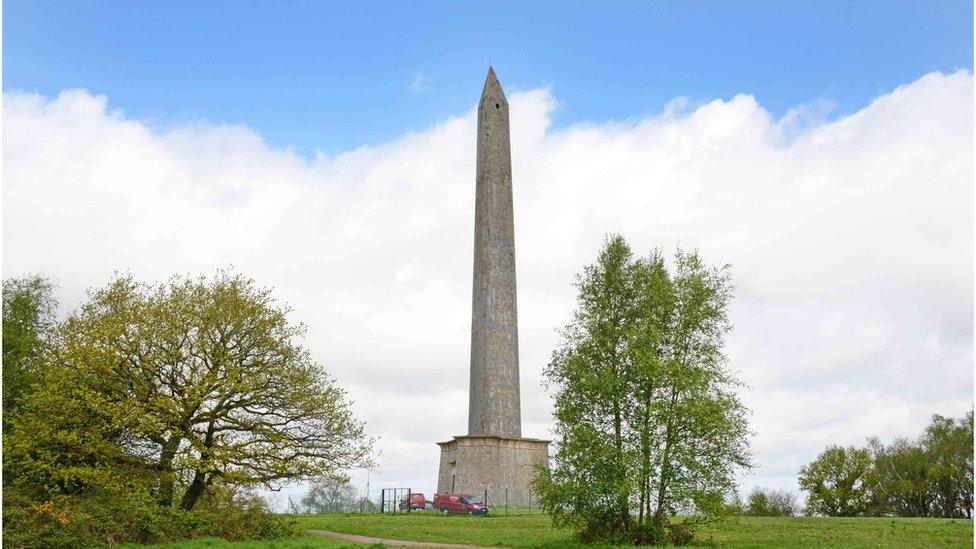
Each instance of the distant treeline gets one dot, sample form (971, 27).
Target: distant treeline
(929, 476)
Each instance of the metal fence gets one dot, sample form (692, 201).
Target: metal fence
(510, 501)
(390, 499)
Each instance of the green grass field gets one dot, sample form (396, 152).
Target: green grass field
(309, 542)
(536, 531)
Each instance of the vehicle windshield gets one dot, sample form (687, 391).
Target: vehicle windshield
(471, 499)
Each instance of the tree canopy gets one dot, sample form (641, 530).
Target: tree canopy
(170, 391)
(28, 314)
(647, 420)
(929, 476)
(836, 482)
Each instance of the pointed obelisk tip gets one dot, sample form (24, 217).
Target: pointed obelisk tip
(492, 86)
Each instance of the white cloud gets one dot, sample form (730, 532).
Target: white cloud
(851, 242)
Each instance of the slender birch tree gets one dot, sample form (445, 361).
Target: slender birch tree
(648, 423)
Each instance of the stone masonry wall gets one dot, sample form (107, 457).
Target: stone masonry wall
(503, 466)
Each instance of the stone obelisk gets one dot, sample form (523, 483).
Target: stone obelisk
(494, 407)
(493, 459)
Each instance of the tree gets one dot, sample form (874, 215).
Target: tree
(688, 389)
(928, 476)
(647, 420)
(947, 445)
(67, 477)
(771, 503)
(28, 314)
(206, 383)
(836, 482)
(899, 479)
(331, 495)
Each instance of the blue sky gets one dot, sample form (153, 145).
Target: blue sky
(335, 76)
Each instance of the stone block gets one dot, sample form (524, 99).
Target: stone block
(503, 467)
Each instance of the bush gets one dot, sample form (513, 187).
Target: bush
(97, 522)
(657, 531)
(237, 516)
(73, 521)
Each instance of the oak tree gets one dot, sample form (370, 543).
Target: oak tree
(207, 382)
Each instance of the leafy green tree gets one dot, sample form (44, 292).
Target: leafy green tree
(591, 482)
(28, 314)
(899, 479)
(929, 476)
(647, 421)
(205, 383)
(771, 503)
(758, 504)
(947, 444)
(837, 482)
(700, 422)
(62, 458)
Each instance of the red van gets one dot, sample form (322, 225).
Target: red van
(459, 504)
(416, 501)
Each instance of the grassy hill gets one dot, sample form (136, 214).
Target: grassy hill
(537, 531)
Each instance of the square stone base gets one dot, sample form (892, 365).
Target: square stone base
(503, 467)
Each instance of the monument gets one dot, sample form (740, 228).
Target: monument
(493, 457)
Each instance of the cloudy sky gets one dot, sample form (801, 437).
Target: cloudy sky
(843, 202)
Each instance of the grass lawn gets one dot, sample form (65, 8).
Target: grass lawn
(536, 531)
(310, 542)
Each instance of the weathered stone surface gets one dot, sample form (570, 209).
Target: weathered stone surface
(494, 407)
(493, 457)
(502, 466)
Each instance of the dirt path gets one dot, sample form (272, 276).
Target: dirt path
(394, 542)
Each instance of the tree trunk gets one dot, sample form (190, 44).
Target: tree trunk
(621, 467)
(195, 490)
(200, 479)
(665, 468)
(645, 477)
(165, 496)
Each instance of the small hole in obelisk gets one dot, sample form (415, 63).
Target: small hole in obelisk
(496, 105)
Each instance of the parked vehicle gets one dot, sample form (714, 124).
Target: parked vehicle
(459, 504)
(414, 500)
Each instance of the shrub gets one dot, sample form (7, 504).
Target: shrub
(97, 522)
(239, 515)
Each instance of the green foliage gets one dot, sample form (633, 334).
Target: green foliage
(28, 313)
(899, 479)
(771, 503)
(152, 401)
(948, 445)
(836, 482)
(210, 384)
(647, 421)
(239, 515)
(96, 522)
(931, 476)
